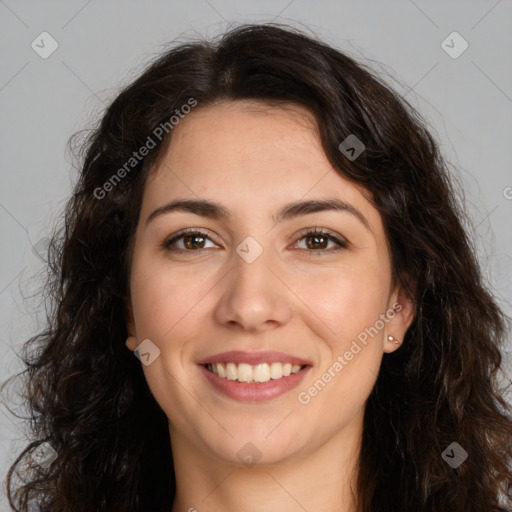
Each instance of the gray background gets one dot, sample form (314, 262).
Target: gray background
(467, 101)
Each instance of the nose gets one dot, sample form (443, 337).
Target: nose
(255, 296)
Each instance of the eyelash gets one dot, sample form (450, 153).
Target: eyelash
(342, 244)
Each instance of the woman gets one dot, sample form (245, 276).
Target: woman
(273, 234)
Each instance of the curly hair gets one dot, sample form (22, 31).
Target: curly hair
(87, 395)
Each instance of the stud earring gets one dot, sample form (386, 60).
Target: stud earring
(390, 338)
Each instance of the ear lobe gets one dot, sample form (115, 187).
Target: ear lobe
(131, 343)
(404, 312)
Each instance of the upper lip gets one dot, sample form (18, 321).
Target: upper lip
(253, 358)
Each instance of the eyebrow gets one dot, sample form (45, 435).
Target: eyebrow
(289, 211)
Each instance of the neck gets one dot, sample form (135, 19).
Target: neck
(323, 479)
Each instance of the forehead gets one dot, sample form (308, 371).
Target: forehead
(251, 155)
(245, 136)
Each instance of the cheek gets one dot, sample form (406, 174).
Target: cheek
(165, 310)
(349, 304)
(162, 298)
(347, 300)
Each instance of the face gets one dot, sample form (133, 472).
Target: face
(250, 278)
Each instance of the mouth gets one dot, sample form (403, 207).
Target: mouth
(259, 373)
(254, 376)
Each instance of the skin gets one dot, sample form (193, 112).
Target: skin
(253, 159)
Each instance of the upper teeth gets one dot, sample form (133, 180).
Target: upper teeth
(244, 372)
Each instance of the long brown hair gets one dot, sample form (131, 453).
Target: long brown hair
(86, 393)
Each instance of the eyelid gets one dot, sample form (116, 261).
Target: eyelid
(339, 240)
(176, 236)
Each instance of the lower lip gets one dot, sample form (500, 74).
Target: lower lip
(255, 392)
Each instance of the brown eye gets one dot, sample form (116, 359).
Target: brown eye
(188, 241)
(317, 241)
(194, 241)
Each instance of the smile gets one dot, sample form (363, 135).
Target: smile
(259, 373)
(253, 376)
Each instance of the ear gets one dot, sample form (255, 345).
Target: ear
(131, 340)
(401, 313)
